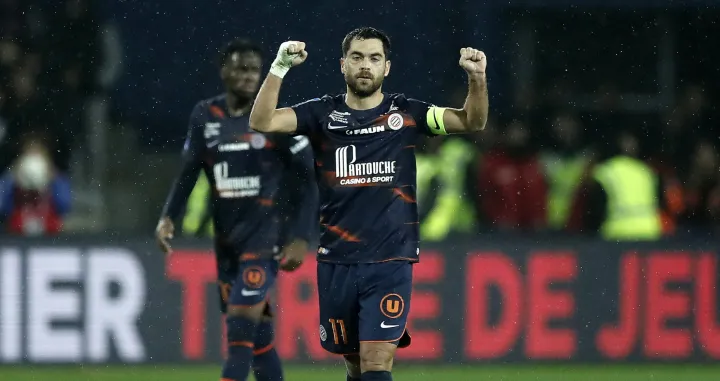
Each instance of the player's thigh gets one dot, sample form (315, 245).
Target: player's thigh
(337, 294)
(385, 294)
(249, 293)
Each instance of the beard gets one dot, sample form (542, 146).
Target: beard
(363, 87)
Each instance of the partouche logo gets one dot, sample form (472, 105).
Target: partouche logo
(235, 187)
(350, 173)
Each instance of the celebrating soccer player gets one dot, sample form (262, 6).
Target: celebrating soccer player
(363, 143)
(264, 203)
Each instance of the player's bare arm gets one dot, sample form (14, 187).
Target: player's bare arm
(473, 116)
(178, 197)
(183, 185)
(265, 116)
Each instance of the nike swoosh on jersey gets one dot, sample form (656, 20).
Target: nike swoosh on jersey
(383, 325)
(331, 127)
(246, 292)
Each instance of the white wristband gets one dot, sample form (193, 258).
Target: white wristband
(279, 70)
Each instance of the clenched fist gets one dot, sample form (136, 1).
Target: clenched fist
(290, 54)
(473, 61)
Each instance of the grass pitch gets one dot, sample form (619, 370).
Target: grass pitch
(520, 372)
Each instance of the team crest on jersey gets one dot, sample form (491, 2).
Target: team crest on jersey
(395, 122)
(258, 141)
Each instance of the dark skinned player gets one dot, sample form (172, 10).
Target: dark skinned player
(363, 142)
(264, 205)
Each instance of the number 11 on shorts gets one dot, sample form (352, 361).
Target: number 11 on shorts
(334, 323)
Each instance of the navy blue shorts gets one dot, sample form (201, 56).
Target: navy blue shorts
(247, 284)
(366, 302)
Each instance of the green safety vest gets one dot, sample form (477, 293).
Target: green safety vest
(632, 208)
(198, 218)
(451, 212)
(564, 176)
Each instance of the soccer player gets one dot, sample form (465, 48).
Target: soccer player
(363, 143)
(264, 208)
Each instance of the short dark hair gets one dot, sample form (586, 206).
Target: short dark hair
(238, 45)
(366, 33)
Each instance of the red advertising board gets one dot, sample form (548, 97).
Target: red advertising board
(501, 302)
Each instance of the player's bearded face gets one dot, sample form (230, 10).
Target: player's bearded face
(365, 67)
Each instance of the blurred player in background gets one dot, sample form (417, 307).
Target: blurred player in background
(264, 208)
(364, 142)
(35, 196)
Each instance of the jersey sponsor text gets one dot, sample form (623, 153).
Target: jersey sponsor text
(350, 173)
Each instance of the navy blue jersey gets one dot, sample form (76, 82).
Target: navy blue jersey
(365, 165)
(262, 188)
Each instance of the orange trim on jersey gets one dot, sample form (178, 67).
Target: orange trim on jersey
(217, 111)
(248, 256)
(265, 201)
(342, 233)
(225, 289)
(403, 196)
(263, 349)
(241, 344)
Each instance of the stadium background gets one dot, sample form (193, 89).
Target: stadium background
(111, 84)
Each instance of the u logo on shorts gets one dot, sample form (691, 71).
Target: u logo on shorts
(254, 276)
(392, 306)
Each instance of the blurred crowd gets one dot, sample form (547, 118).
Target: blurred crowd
(541, 166)
(546, 167)
(48, 63)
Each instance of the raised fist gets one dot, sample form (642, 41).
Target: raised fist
(473, 61)
(291, 53)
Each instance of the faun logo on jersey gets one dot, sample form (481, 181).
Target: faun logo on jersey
(350, 173)
(394, 122)
(366, 131)
(235, 187)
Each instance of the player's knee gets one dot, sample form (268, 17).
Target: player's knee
(377, 356)
(352, 363)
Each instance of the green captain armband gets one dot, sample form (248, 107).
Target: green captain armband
(434, 118)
